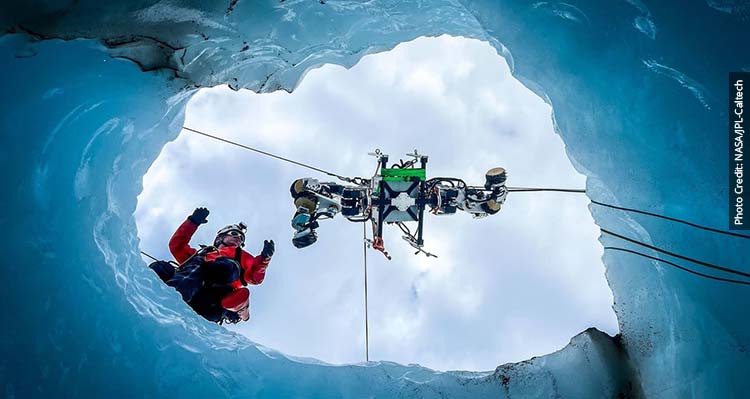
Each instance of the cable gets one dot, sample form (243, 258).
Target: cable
(517, 189)
(563, 190)
(729, 233)
(147, 255)
(367, 330)
(699, 262)
(346, 179)
(671, 219)
(510, 189)
(678, 266)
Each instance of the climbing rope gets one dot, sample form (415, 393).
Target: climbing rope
(367, 329)
(696, 261)
(340, 177)
(671, 219)
(678, 266)
(149, 256)
(694, 225)
(593, 201)
(359, 181)
(529, 189)
(510, 189)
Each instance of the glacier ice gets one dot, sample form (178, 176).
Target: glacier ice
(94, 90)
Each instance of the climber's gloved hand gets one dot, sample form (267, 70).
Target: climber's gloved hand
(268, 249)
(199, 216)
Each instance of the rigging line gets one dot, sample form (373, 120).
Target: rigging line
(563, 190)
(145, 254)
(729, 233)
(267, 154)
(671, 219)
(699, 262)
(367, 332)
(679, 267)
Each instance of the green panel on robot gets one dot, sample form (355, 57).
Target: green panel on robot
(397, 174)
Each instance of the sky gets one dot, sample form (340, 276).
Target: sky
(503, 289)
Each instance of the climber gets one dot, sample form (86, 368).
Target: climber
(212, 279)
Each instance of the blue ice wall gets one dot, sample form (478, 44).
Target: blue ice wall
(93, 90)
(643, 115)
(86, 318)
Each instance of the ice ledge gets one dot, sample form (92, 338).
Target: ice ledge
(592, 365)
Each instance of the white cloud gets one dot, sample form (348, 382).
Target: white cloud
(517, 284)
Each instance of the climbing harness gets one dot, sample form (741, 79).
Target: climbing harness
(166, 270)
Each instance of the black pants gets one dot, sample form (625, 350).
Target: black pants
(202, 284)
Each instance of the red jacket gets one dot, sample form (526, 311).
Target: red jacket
(253, 267)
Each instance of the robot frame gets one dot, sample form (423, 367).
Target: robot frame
(394, 195)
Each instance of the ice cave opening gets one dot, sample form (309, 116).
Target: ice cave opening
(503, 289)
(94, 91)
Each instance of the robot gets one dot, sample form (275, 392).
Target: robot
(397, 195)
